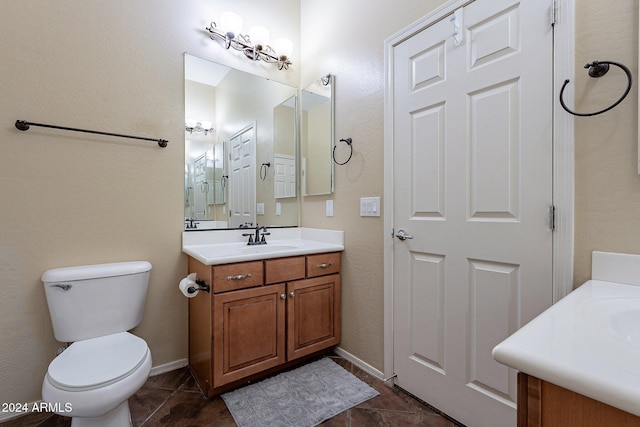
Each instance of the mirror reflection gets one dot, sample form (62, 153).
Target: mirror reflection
(316, 137)
(240, 149)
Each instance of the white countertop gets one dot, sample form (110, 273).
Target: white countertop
(227, 246)
(589, 341)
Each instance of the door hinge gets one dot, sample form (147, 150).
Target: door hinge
(553, 12)
(552, 217)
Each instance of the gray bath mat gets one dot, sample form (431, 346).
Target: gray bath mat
(304, 397)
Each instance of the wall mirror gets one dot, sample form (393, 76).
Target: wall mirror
(316, 136)
(241, 142)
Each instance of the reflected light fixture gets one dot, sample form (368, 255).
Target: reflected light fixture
(254, 44)
(193, 125)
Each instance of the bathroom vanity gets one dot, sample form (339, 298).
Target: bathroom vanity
(542, 403)
(578, 360)
(268, 307)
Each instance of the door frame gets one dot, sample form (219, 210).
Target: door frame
(563, 156)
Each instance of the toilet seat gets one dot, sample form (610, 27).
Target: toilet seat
(97, 362)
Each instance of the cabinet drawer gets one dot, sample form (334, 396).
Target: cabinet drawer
(321, 264)
(243, 275)
(284, 269)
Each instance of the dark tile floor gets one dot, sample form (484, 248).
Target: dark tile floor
(173, 399)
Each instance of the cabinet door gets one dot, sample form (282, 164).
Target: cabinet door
(313, 315)
(248, 332)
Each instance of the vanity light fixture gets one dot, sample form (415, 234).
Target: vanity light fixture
(193, 125)
(255, 44)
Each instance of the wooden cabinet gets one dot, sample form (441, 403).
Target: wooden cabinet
(543, 404)
(248, 333)
(313, 315)
(261, 315)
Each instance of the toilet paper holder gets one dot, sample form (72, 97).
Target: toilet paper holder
(202, 286)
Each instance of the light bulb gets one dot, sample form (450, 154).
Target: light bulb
(231, 22)
(206, 125)
(259, 36)
(283, 47)
(190, 123)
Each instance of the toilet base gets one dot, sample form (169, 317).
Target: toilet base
(119, 417)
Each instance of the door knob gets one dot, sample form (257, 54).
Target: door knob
(402, 235)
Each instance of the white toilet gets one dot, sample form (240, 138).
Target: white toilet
(93, 307)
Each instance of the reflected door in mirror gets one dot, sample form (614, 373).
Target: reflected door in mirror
(242, 177)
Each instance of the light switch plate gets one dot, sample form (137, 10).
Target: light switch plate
(370, 206)
(260, 209)
(329, 208)
(278, 208)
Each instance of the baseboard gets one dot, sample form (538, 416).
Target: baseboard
(168, 367)
(359, 363)
(6, 416)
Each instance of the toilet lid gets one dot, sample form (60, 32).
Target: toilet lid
(96, 362)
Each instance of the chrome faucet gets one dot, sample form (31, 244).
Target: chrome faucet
(259, 237)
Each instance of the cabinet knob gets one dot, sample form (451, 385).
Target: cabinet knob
(292, 294)
(283, 296)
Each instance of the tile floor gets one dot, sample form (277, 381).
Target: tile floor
(173, 399)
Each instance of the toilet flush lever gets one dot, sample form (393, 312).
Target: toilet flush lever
(63, 286)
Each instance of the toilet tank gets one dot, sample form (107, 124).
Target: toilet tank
(94, 300)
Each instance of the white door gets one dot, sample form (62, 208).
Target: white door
(242, 177)
(284, 176)
(472, 153)
(200, 187)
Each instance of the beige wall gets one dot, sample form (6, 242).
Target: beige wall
(607, 200)
(346, 38)
(69, 198)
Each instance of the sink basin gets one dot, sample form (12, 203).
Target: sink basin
(237, 249)
(619, 316)
(626, 325)
(225, 253)
(589, 341)
(229, 246)
(266, 248)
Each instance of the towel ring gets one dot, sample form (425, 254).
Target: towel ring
(263, 170)
(599, 69)
(348, 141)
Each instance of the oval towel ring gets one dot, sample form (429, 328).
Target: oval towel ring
(599, 69)
(264, 168)
(348, 141)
